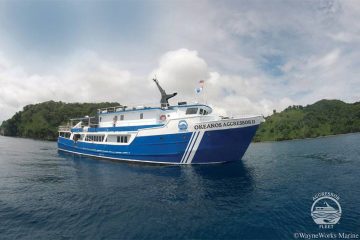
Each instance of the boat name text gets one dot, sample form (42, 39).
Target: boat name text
(224, 124)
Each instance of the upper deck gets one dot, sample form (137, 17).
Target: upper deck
(141, 115)
(132, 118)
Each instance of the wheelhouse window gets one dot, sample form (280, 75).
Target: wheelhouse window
(191, 111)
(203, 112)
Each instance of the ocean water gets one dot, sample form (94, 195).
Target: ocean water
(267, 195)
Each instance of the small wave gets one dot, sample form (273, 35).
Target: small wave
(47, 179)
(45, 149)
(330, 158)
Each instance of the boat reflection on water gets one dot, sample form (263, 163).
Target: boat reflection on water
(172, 182)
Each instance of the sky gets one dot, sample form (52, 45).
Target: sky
(255, 56)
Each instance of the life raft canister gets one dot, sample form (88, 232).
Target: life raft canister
(162, 118)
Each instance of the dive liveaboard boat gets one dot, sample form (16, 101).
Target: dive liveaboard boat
(166, 134)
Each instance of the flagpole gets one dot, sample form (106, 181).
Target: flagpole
(199, 90)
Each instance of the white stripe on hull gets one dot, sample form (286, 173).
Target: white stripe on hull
(192, 147)
(196, 145)
(191, 144)
(185, 153)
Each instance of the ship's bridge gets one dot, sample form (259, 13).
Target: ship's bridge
(142, 115)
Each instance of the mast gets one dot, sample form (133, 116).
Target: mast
(164, 97)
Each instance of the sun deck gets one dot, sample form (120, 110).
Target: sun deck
(122, 118)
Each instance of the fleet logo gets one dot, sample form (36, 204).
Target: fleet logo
(326, 213)
(326, 210)
(183, 125)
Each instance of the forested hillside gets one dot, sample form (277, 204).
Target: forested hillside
(325, 117)
(40, 121)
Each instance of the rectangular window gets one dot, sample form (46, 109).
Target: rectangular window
(141, 115)
(122, 139)
(191, 111)
(95, 138)
(121, 117)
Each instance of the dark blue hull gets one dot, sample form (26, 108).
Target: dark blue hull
(181, 148)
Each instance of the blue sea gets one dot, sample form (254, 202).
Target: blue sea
(267, 195)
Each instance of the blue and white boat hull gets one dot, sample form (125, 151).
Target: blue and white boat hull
(173, 143)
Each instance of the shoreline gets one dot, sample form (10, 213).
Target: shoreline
(274, 141)
(35, 139)
(299, 139)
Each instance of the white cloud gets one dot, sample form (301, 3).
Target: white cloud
(182, 69)
(87, 78)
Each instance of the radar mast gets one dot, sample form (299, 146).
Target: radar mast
(164, 97)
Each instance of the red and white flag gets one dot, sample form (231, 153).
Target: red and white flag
(201, 86)
(201, 83)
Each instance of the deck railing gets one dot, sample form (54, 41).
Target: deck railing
(90, 122)
(121, 108)
(148, 105)
(64, 128)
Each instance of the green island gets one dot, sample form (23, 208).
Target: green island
(41, 121)
(323, 118)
